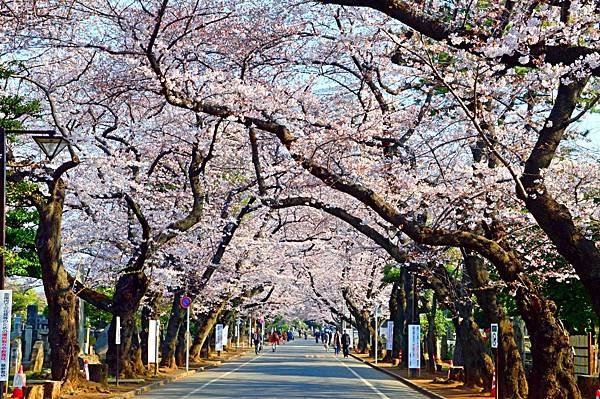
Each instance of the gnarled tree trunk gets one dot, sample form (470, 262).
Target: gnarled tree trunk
(172, 332)
(512, 382)
(130, 289)
(62, 315)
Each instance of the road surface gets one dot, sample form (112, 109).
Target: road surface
(299, 369)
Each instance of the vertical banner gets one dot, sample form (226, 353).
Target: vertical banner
(414, 346)
(389, 344)
(225, 335)
(152, 334)
(5, 320)
(118, 331)
(219, 337)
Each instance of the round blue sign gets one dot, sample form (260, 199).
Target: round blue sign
(185, 302)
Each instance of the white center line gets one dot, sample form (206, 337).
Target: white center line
(367, 383)
(218, 378)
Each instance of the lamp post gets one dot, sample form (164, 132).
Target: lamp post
(51, 145)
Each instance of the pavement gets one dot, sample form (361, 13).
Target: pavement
(299, 369)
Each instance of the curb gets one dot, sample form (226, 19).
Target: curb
(405, 381)
(158, 384)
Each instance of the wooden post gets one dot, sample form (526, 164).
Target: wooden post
(590, 351)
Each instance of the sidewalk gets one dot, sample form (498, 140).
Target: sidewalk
(165, 376)
(424, 381)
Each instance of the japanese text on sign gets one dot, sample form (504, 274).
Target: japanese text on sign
(414, 346)
(5, 319)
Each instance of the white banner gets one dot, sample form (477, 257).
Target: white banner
(414, 346)
(5, 320)
(226, 335)
(389, 344)
(118, 331)
(152, 336)
(219, 337)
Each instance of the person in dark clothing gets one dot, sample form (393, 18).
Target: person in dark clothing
(317, 335)
(256, 339)
(346, 344)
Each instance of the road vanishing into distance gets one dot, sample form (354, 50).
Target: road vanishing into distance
(299, 369)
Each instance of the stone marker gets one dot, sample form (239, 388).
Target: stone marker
(34, 392)
(99, 373)
(16, 356)
(37, 357)
(52, 389)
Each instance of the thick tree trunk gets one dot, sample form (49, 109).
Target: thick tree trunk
(512, 383)
(552, 375)
(62, 315)
(477, 363)
(364, 332)
(180, 348)
(431, 337)
(206, 326)
(130, 289)
(172, 333)
(398, 311)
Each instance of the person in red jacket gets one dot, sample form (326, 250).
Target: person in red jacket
(274, 340)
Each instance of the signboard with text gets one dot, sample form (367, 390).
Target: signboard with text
(225, 339)
(389, 344)
(219, 337)
(153, 332)
(494, 337)
(5, 320)
(414, 346)
(118, 331)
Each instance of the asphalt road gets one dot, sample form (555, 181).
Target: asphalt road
(300, 369)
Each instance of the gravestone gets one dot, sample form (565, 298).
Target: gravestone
(16, 356)
(52, 389)
(99, 373)
(27, 342)
(32, 320)
(17, 326)
(37, 357)
(101, 346)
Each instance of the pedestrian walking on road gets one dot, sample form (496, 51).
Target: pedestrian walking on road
(274, 340)
(317, 335)
(337, 342)
(346, 344)
(325, 340)
(256, 339)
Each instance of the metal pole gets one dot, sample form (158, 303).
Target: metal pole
(187, 342)
(156, 349)
(3, 205)
(376, 335)
(2, 221)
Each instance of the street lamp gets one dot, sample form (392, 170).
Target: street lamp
(51, 145)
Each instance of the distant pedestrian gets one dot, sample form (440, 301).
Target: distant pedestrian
(19, 383)
(337, 342)
(305, 335)
(317, 336)
(256, 339)
(274, 340)
(325, 340)
(346, 344)
(290, 336)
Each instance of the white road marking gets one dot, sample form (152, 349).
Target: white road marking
(218, 378)
(367, 383)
